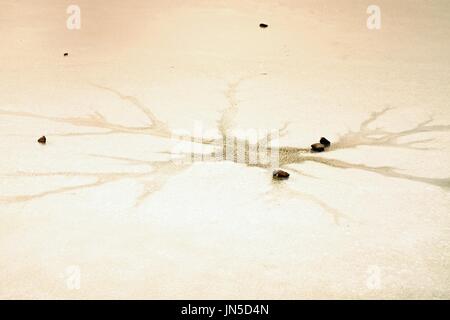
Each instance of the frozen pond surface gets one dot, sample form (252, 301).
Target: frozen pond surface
(103, 200)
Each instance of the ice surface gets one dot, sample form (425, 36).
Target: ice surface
(366, 219)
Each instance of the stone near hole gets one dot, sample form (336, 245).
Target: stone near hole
(42, 140)
(325, 142)
(317, 147)
(280, 174)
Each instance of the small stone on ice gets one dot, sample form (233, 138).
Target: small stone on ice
(325, 142)
(280, 174)
(66, 54)
(42, 140)
(317, 147)
(263, 25)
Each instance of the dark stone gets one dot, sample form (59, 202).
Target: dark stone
(280, 174)
(317, 147)
(263, 25)
(66, 54)
(325, 142)
(42, 140)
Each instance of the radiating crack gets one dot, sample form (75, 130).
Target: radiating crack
(161, 171)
